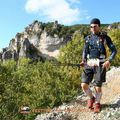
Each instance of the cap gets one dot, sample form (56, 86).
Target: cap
(95, 21)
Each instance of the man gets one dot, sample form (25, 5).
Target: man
(95, 63)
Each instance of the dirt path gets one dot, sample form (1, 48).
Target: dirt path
(111, 92)
(77, 110)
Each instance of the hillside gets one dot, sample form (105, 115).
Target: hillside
(77, 107)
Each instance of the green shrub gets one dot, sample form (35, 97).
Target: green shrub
(115, 36)
(40, 85)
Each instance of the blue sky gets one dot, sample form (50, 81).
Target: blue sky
(15, 15)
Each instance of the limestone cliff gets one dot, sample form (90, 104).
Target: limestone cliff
(38, 40)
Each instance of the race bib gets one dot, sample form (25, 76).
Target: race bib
(93, 62)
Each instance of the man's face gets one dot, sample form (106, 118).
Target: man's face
(94, 28)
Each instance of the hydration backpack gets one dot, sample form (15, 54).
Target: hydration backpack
(96, 46)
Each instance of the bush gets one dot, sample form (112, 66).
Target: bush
(115, 36)
(39, 85)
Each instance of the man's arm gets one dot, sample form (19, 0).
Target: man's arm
(111, 47)
(85, 52)
(113, 50)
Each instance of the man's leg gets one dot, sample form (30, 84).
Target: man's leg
(88, 92)
(98, 95)
(99, 77)
(87, 77)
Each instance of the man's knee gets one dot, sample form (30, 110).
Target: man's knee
(98, 89)
(84, 86)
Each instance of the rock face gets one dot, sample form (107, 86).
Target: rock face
(35, 42)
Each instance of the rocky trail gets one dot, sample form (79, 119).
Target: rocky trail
(77, 110)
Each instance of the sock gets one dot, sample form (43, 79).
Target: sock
(98, 97)
(88, 92)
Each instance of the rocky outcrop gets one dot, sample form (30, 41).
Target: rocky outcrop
(114, 26)
(35, 42)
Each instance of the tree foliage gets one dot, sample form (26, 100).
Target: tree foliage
(39, 85)
(115, 36)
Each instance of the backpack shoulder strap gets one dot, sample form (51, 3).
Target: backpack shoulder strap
(88, 38)
(102, 36)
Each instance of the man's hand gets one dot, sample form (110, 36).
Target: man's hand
(82, 63)
(106, 64)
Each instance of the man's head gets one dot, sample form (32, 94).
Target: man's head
(95, 21)
(95, 25)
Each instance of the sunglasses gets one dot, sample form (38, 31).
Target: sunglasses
(93, 26)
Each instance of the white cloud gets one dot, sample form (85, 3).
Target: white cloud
(52, 10)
